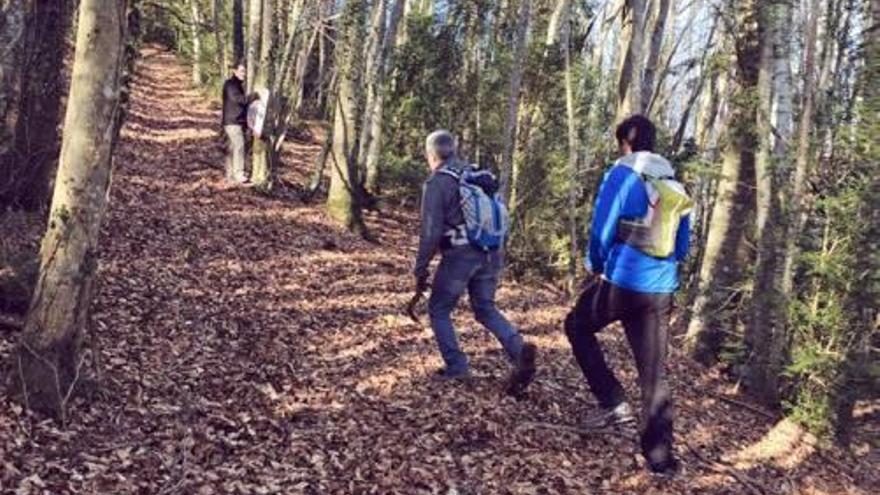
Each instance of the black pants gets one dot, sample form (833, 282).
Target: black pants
(645, 319)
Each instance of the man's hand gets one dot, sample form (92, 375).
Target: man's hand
(421, 291)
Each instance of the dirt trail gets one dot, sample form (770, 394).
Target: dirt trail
(247, 345)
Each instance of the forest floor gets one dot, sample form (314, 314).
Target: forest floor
(246, 344)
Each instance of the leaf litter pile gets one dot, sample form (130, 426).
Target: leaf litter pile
(246, 344)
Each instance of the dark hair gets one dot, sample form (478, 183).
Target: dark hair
(638, 131)
(239, 63)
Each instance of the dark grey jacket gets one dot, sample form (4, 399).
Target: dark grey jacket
(441, 213)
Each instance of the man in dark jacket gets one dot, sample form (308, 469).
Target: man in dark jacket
(234, 120)
(462, 267)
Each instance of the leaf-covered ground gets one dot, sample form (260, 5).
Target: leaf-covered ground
(246, 344)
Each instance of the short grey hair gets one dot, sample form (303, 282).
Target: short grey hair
(441, 143)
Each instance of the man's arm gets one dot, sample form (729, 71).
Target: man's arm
(683, 238)
(234, 94)
(432, 226)
(606, 213)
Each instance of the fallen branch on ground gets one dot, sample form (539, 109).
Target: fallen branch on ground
(745, 405)
(576, 430)
(753, 486)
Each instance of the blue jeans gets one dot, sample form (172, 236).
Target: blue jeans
(467, 268)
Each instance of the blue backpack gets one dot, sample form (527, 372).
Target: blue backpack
(486, 220)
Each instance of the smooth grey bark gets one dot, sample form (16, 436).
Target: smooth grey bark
(195, 22)
(264, 78)
(254, 36)
(343, 201)
(374, 119)
(513, 98)
(219, 38)
(48, 358)
(652, 63)
(629, 81)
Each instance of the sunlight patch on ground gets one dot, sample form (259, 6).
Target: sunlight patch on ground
(786, 446)
(136, 131)
(383, 382)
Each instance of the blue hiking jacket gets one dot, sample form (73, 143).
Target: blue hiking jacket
(622, 194)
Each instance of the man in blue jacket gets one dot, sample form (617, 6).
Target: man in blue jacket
(638, 206)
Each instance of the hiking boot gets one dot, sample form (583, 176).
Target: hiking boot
(619, 415)
(667, 469)
(524, 372)
(444, 374)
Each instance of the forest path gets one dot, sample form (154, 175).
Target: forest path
(248, 345)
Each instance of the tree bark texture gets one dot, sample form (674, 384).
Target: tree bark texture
(343, 202)
(48, 358)
(509, 139)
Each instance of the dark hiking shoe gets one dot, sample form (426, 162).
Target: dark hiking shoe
(524, 372)
(443, 374)
(667, 469)
(616, 416)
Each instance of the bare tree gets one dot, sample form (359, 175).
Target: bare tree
(726, 254)
(343, 201)
(219, 38)
(652, 63)
(264, 78)
(237, 30)
(194, 26)
(765, 336)
(48, 359)
(516, 73)
(629, 82)
(40, 103)
(373, 122)
(255, 22)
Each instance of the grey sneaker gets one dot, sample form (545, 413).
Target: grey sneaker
(619, 415)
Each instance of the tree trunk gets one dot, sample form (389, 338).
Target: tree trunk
(48, 359)
(629, 82)
(343, 202)
(264, 77)
(802, 160)
(652, 65)
(12, 30)
(765, 338)
(299, 74)
(726, 255)
(255, 21)
(374, 121)
(509, 140)
(678, 137)
(320, 166)
(709, 108)
(219, 38)
(237, 31)
(372, 67)
(195, 22)
(42, 91)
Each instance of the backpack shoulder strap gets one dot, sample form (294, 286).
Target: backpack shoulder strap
(455, 174)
